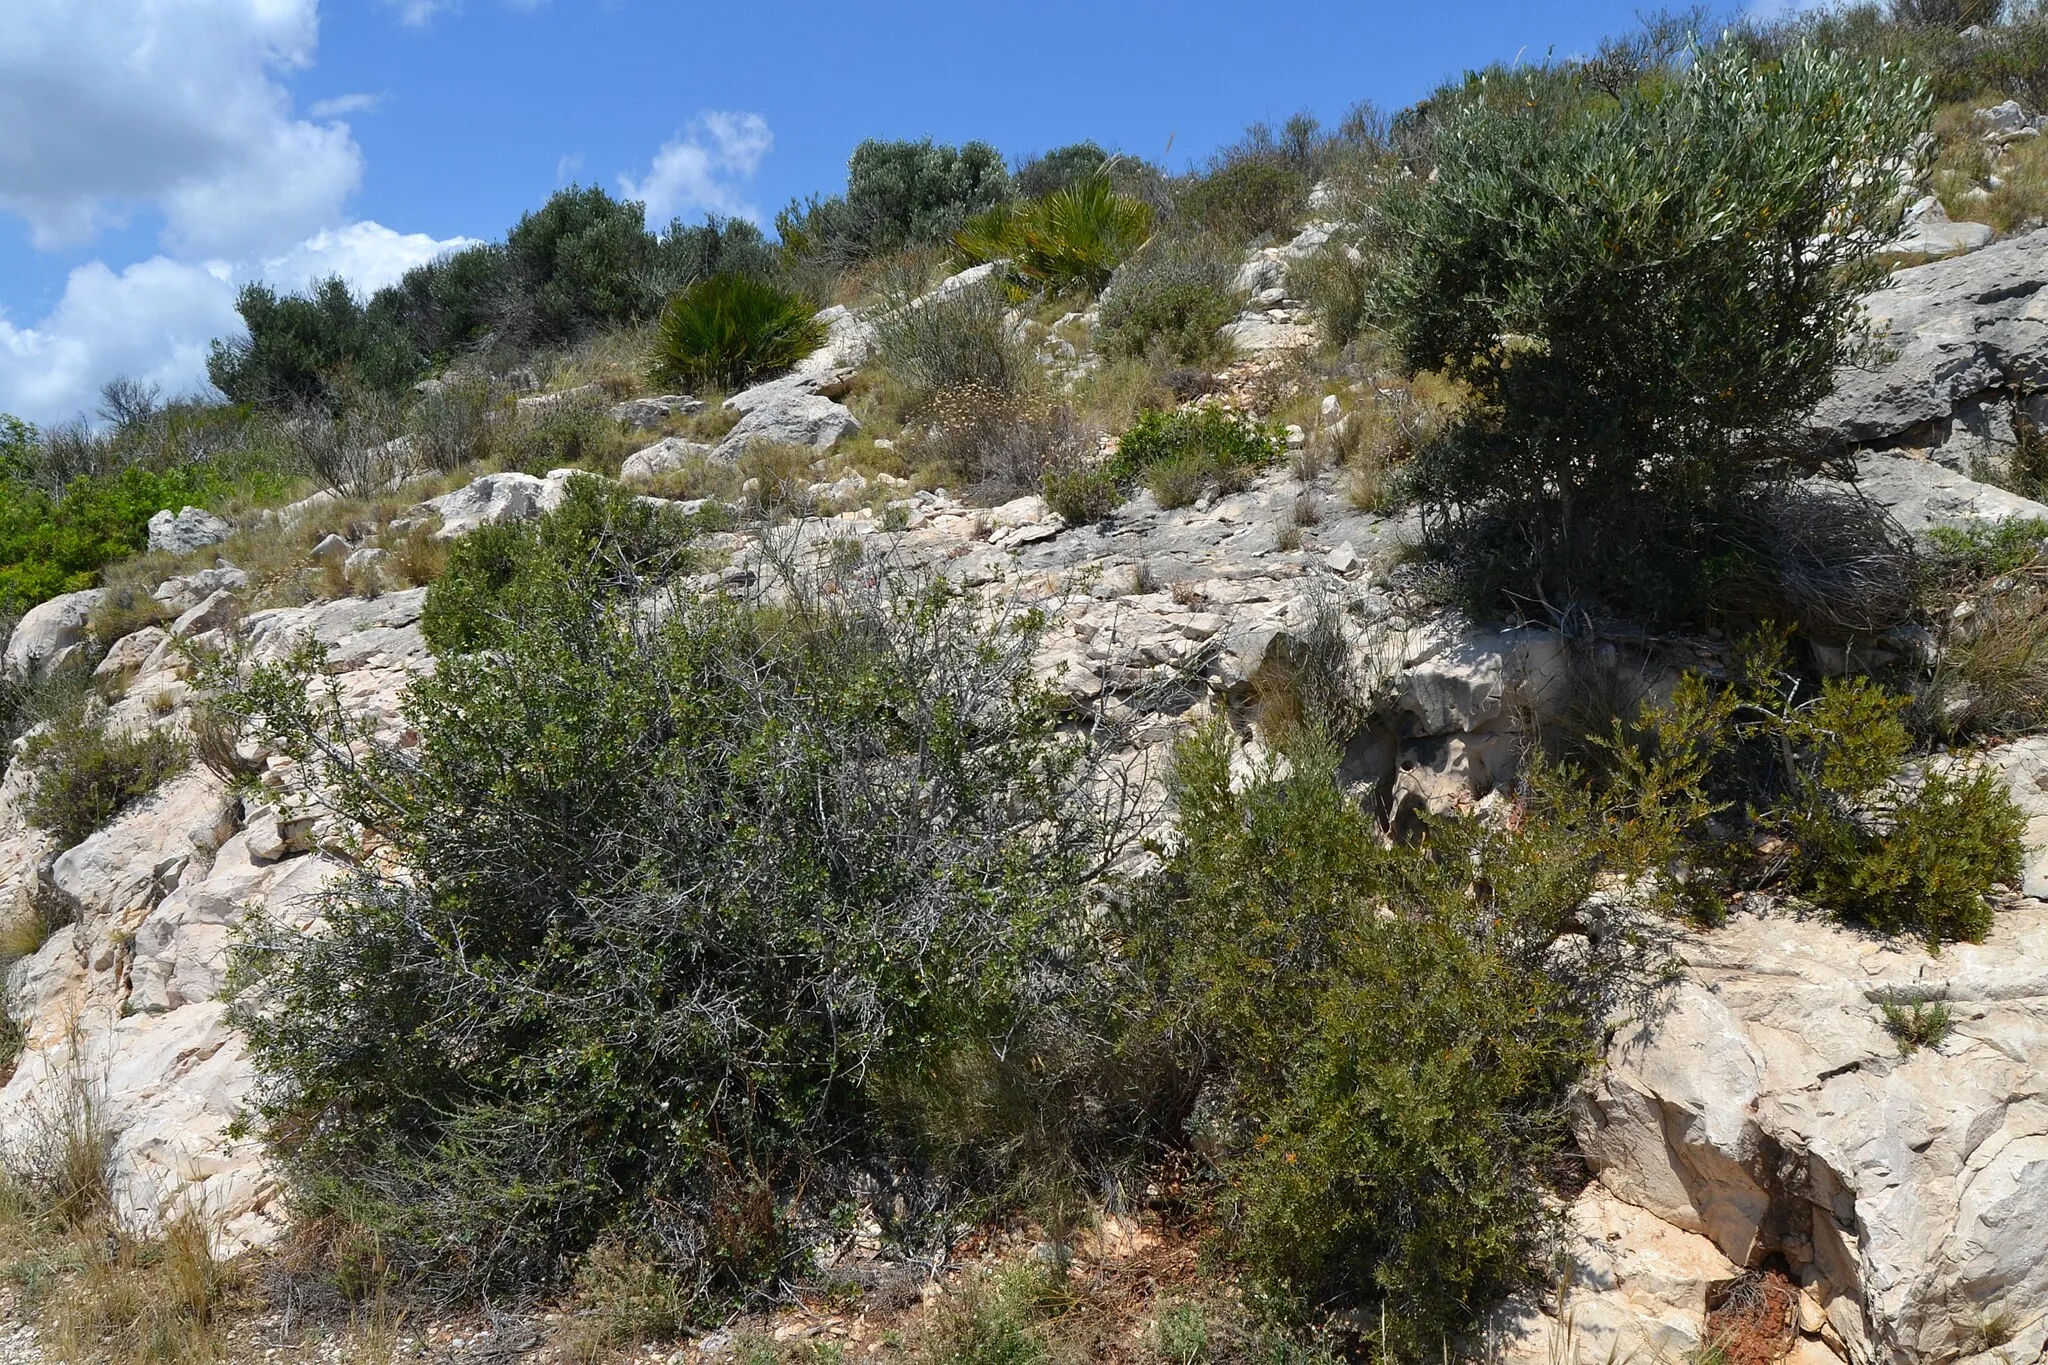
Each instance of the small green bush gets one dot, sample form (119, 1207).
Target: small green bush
(1083, 494)
(51, 545)
(1916, 1018)
(1173, 297)
(454, 425)
(601, 531)
(86, 774)
(729, 330)
(949, 344)
(1191, 448)
(1244, 199)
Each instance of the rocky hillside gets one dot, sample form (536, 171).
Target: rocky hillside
(1762, 1117)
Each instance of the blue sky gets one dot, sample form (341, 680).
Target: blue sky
(156, 153)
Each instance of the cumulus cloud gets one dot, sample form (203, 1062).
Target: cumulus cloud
(341, 106)
(154, 320)
(705, 169)
(116, 104)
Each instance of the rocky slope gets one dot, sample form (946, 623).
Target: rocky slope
(1762, 1117)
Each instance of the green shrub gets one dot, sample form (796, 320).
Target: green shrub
(729, 330)
(1192, 448)
(898, 194)
(601, 531)
(1074, 238)
(453, 426)
(1244, 199)
(1173, 297)
(51, 545)
(947, 344)
(1916, 1018)
(1632, 290)
(1059, 169)
(576, 265)
(1081, 494)
(303, 350)
(685, 884)
(1391, 1035)
(86, 774)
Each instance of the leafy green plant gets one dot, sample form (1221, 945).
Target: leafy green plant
(305, 350)
(1629, 285)
(1916, 1018)
(1244, 199)
(691, 886)
(1081, 494)
(898, 194)
(1390, 1033)
(1192, 448)
(86, 773)
(51, 545)
(729, 330)
(1173, 297)
(1074, 237)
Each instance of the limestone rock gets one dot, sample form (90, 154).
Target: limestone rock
(181, 594)
(1955, 328)
(1930, 233)
(542, 404)
(487, 501)
(50, 633)
(219, 609)
(663, 457)
(182, 532)
(648, 414)
(1921, 494)
(790, 417)
(126, 657)
(1764, 1107)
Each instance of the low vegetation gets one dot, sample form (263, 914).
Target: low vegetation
(87, 772)
(726, 331)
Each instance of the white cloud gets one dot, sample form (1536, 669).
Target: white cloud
(419, 13)
(341, 106)
(154, 320)
(705, 168)
(114, 104)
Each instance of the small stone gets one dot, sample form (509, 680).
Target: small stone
(1343, 559)
(1331, 407)
(330, 545)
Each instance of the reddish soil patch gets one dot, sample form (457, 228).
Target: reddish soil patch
(1750, 1320)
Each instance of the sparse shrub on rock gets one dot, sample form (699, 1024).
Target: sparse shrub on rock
(1172, 297)
(86, 773)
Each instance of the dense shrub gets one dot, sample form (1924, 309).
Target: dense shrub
(898, 194)
(996, 444)
(604, 534)
(1182, 452)
(1073, 238)
(303, 350)
(1172, 297)
(1244, 200)
(1392, 1031)
(51, 545)
(1676, 276)
(86, 774)
(575, 264)
(1059, 169)
(729, 330)
(681, 889)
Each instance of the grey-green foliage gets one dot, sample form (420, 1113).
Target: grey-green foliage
(1644, 293)
(1170, 297)
(898, 194)
(682, 891)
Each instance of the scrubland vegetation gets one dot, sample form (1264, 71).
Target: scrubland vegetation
(705, 929)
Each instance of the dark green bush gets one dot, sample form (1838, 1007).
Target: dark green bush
(1244, 200)
(687, 886)
(898, 194)
(729, 330)
(1645, 296)
(86, 774)
(303, 350)
(1059, 169)
(1183, 451)
(601, 532)
(575, 264)
(1393, 1031)
(1172, 297)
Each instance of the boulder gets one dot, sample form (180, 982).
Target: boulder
(220, 609)
(663, 457)
(182, 532)
(1255, 332)
(792, 418)
(1764, 1106)
(649, 414)
(127, 656)
(1921, 494)
(1930, 233)
(50, 634)
(179, 595)
(487, 501)
(541, 404)
(1952, 329)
